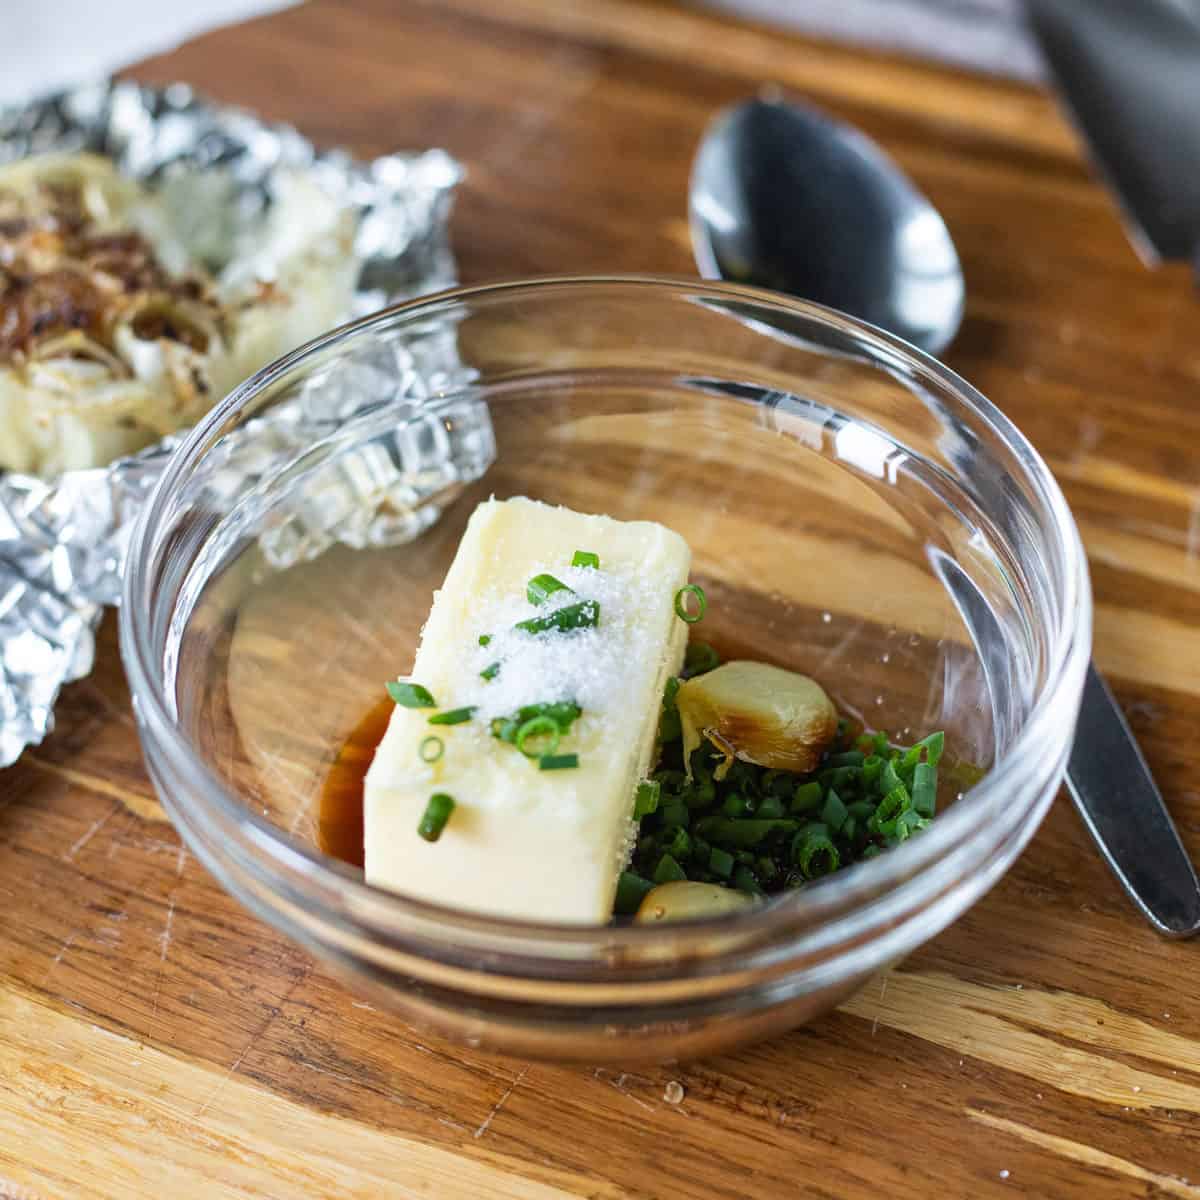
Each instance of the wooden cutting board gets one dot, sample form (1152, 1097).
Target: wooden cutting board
(157, 1040)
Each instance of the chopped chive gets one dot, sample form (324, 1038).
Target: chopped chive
(881, 744)
(558, 762)
(411, 695)
(699, 658)
(670, 728)
(924, 793)
(681, 844)
(541, 587)
(453, 716)
(574, 616)
(538, 728)
(585, 558)
(646, 800)
(485, 639)
(891, 808)
(631, 891)
(933, 746)
(889, 780)
(834, 812)
(769, 807)
(674, 813)
(807, 797)
(735, 805)
(431, 749)
(437, 813)
(851, 758)
(766, 868)
(682, 611)
(720, 862)
(668, 870)
(872, 768)
(815, 855)
(743, 832)
(490, 672)
(744, 881)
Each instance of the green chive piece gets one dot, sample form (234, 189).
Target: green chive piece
(668, 870)
(538, 728)
(585, 558)
(682, 611)
(681, 844)
(674, 813)
(431, 749)
(881, 744)
(933, 746)
(735, 805)
(670, 729)
(558, 762)
(453, 716)
(646, 801)
(891, 807)
(872, 851)
(561, 712)
(631, 891)
(541, 587)
(766, 868)
(851, 758)
(490, 672)
(437, 813)
(744, 832)
(816, 855)
(834, 812)
(699, 658)
(769, 807)
(411, 695)
(872, 768)
(924, 793)
(807, 797)
(720, 862)
(744, 881)
(889, 780)
(574, 616)
(485, 639)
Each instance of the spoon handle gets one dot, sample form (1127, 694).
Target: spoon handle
(1117, 797)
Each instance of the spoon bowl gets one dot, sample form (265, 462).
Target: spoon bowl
(787, 198)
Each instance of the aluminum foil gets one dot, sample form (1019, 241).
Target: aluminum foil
(63, 541)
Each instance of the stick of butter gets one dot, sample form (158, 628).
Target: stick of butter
(545, 845)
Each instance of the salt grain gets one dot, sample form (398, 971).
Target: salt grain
(578, 664)
(673, 1092)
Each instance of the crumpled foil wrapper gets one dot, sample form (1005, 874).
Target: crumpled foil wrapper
(63, 541)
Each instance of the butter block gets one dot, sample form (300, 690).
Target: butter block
(523, 842)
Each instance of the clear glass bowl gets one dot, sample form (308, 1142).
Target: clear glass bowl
(856, 512)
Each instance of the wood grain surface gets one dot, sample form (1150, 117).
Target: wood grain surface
(157, 1040)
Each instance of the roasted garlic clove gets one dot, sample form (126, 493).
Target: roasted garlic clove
(685, 900)
(758, 713)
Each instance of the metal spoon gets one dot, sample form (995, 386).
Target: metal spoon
(786, 198)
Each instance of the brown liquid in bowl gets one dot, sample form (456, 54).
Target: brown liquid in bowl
(340, 824)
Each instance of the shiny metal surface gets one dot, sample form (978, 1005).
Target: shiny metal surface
(784, 197)
(1129, 74)
(1122, 808)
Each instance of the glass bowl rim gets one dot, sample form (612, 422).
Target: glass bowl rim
(838, 893)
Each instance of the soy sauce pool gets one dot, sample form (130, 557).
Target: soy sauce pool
(340, 820)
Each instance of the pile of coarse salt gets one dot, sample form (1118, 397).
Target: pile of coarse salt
(585, 665)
